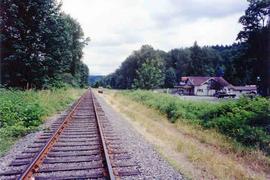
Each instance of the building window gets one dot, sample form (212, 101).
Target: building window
(200, 90)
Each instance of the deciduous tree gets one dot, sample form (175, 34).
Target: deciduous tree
(149, 75)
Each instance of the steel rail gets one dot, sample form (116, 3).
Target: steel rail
(107, 158)
(40, 157)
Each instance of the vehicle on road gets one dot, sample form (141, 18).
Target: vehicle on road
(251, 94)
(222, 94)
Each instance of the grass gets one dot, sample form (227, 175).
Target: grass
(245, 120)
(22, 112)
(6, 143)
(196, 152)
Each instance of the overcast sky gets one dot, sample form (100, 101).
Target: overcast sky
(117, 27)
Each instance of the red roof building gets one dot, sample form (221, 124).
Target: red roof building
(207, 86)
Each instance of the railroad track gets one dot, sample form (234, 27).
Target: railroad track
(80, 145)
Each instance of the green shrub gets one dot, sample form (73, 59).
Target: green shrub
(18, 112)
(15, 130)
(23, 111)
(246, 120)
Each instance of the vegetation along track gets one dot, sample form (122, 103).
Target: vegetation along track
(80, 145)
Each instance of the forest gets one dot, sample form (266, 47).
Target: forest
(41, 47)
(247, 61)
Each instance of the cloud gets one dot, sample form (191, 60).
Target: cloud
(210, 8)
(117, 27)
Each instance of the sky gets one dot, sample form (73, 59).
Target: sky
(118, 27)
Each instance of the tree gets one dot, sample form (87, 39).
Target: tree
(170, 78)
(256, 18)
(194, 61)
(204, 61)
(124, 76)
(149, 75)
(63, 52)
(180, 61)
(22, 29)
(200, 61)
(96, 84)
(84, 74)
(234, 63)
(39, 45)
(256, 33)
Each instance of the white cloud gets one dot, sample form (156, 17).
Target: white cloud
(117, 27)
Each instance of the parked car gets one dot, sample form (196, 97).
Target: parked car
(222, 94)
(251, 94)
(180, 92)
(100, 90)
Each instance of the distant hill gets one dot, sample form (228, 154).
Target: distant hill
(94, 78)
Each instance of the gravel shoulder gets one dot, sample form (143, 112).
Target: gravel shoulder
(152, 165)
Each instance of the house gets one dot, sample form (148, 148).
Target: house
(208, 86)
(202, 86)
(239, 90)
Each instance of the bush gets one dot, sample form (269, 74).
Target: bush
(245, 120)
(18, 112)
(23, 111)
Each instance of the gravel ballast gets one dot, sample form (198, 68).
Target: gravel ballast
(152, 165)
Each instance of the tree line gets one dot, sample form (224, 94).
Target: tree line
(40, 46)
(244, 62)
(148, 68)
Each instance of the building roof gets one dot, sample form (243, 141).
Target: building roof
(244, 88)
(199, 80)
(222, 81)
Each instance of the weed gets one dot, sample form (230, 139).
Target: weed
(23, 111)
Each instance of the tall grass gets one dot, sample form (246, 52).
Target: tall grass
(197, 152)
(23, 111)
(245, 120)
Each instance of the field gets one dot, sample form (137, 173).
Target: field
(22, 112)
(224, 140)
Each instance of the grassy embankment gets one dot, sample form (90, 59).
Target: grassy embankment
(205, 140)
(22, 112)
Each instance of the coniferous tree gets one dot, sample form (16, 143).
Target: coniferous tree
(256, 33)
(170, 78)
